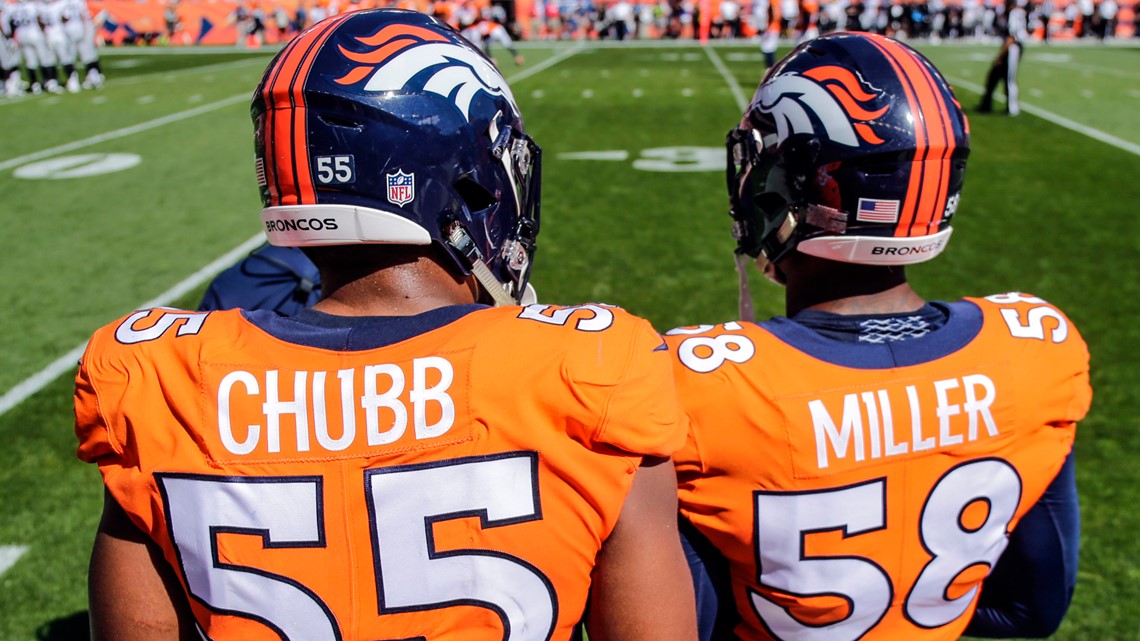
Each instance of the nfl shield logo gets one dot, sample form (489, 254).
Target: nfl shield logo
(401, 188)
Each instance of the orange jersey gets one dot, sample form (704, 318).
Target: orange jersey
(456, 484)
(869, 500)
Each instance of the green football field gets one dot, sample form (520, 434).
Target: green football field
(134, 195)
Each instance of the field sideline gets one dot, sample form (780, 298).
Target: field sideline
(633, 215)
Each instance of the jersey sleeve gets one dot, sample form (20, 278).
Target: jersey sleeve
(701, 395)
(1057, 388)
(1069, 369)
(127, 421)
(624, 372)
(96, 443)
(644, 412)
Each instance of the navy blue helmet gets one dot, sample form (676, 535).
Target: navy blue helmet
(853, 149)
(385, 126)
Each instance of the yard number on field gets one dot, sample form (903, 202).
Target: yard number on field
(9, 554)
(667, 159)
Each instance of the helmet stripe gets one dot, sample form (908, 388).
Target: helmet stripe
(270, 116)
(936, 172)
(914, 185)
(289, 132)
(938, 142)
(944, 165)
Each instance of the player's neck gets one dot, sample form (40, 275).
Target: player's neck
(842, 288)
(400, 290)
(896, 300)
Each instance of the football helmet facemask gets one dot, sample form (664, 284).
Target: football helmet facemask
(853, 149)
(386, 127)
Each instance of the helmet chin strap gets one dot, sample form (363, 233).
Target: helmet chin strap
(489, 283)
(747, 313)
(458, 238)
(746, 310)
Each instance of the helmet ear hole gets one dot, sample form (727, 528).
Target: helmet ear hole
(473, 194)
(770, 202)
(880, 170)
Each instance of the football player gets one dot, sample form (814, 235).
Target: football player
(769, 21)
(53, 17)
(483, 29)
(874, 465)
(417, 456)
(39, 59)
(9, 55)
(80, 29)
(1006, 63)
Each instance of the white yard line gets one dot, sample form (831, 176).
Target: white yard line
(1056, 119)
(260, 63)
(225, 102)
(733, 85)
(1090, 69)
(121, 133)
(545, 64)
(1061, 121)
(130, 52)
(9, 554)
(66, 363)
(157, 75)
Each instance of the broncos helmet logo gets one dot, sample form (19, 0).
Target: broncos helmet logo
(400, 52)
(833, 94)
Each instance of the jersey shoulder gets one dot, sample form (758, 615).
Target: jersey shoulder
(1020, 315)
(603, 367)
(159, 329)
(596, 341)
(701, 349)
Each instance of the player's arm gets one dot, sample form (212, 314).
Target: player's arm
(642, 590)
(1030, 588)
(133, 594)
(716, 612)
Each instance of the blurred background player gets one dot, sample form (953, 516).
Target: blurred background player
(483, 29)
(769, 19)
(858, 469)
(39, 61)
(80, 29)
(9, 55)
(53, 18)
(1008, 60)
(417, 455)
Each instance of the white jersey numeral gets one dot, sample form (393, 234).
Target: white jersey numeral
(500, 491)
(704, 354)
(588, 318)
(403, 504)
(1033, 324)
(127, 334)
(783, 521)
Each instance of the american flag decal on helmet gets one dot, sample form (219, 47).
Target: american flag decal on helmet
(875, 210)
